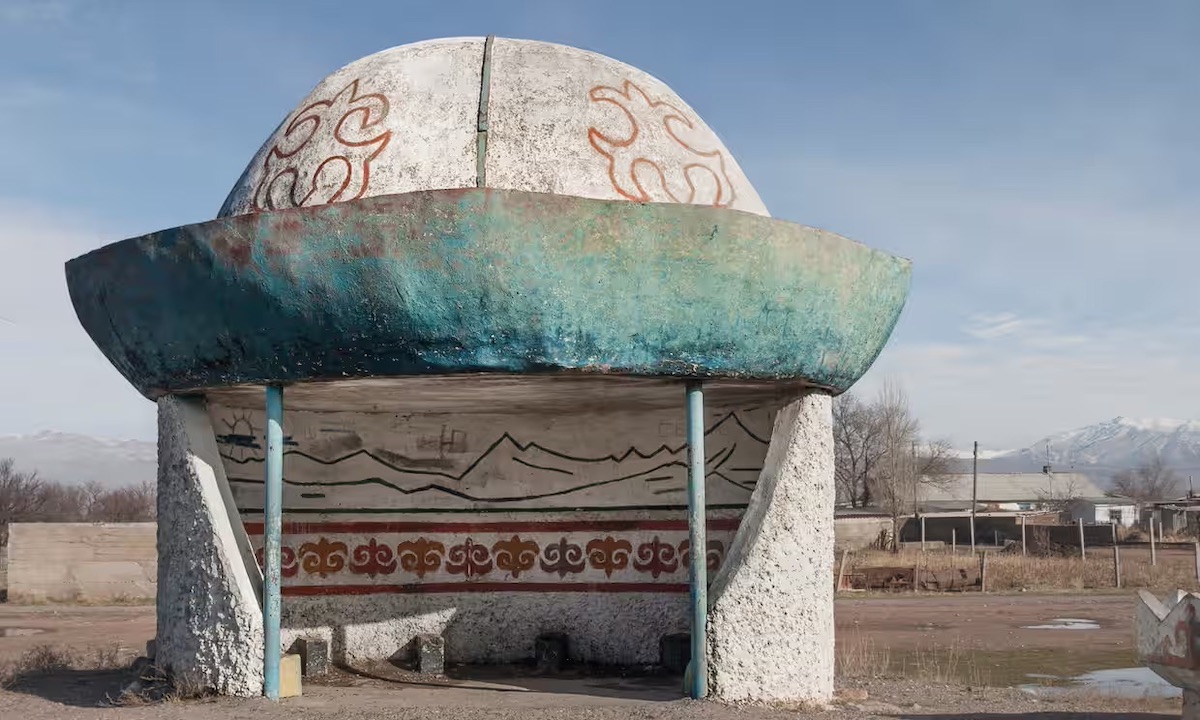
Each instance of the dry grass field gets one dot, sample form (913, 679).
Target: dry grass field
(1013, 572)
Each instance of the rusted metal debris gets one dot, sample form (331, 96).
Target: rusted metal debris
(904, 578)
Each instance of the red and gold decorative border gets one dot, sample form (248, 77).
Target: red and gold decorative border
(358, 558)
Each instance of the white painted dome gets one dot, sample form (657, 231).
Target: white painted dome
(554, 119)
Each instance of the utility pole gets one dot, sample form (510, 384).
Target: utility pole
(916, 480)
(974, 492)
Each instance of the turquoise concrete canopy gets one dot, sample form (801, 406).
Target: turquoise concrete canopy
(483, 280)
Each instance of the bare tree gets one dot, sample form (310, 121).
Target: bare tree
(1152, 480)
(880, 457)
(25, 497)
(20, 492)
(1062, 498)
(857, 449)
(62, 503)
(126, 504)
(894, 480)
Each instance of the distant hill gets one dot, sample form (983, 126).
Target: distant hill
(1104, 448)
(1098, 450)
(77, 459)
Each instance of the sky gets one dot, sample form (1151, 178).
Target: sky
(1039, 163)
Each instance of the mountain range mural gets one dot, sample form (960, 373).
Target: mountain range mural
(340, 468)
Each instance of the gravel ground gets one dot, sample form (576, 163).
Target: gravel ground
(72, 695)
(976, 624)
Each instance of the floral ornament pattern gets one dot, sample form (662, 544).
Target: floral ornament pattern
(324, 557)
(374, 558)
(471, 559)
(517, 558)
(609, 554)
(515, 555)
(656, 557)
(642, 166)
(420, 556)
(562, 558)
(350, 124)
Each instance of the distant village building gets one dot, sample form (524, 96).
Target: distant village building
(1009, 491)
(1121, 511)
(1174, 517)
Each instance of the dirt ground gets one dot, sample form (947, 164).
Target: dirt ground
(984, 633)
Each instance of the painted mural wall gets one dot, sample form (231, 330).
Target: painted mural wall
(417, 504)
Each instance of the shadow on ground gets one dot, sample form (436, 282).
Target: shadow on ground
(76, 688)
(1048, 715)
(595, 682)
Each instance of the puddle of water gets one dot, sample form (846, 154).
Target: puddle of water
(20, 632)
(1010, 668)
(1131, 682)
(1065, 624)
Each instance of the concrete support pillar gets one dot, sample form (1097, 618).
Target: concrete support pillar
(210, 632)
(771, 614)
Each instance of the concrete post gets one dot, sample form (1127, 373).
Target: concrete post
(1153, 550)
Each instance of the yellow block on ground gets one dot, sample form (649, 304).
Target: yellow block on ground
(289, 676)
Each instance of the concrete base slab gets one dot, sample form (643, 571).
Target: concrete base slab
(290, 683)
(314, 655)
(551, 652)
(429, 654)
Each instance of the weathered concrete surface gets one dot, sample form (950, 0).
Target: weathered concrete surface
(465, 281)
(81, 561)
(771, 626)
(429, 654)
(1168, 636)
(572, 122)
(398, 121)
(491, 460)
(490, 627)
(546, 118)
(209, 616)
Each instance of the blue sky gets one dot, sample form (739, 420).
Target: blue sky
(1038, 161)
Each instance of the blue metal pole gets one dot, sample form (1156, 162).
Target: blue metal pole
(697, 539)
(273, 509)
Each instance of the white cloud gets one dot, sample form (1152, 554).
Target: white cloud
(1007, 390)
(985, 326)
(54, 377)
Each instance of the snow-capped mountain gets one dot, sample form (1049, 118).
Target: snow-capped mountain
(1110, 446)
(77, 459)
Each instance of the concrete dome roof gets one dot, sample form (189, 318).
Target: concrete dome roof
(545, 118)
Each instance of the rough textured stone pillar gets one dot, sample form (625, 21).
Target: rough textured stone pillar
(771, 606)
(210, 631)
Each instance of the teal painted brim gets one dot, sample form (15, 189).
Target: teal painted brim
(483, 280)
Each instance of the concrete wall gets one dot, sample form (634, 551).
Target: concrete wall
(82, 561)
(491, 528)
(857, 533)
